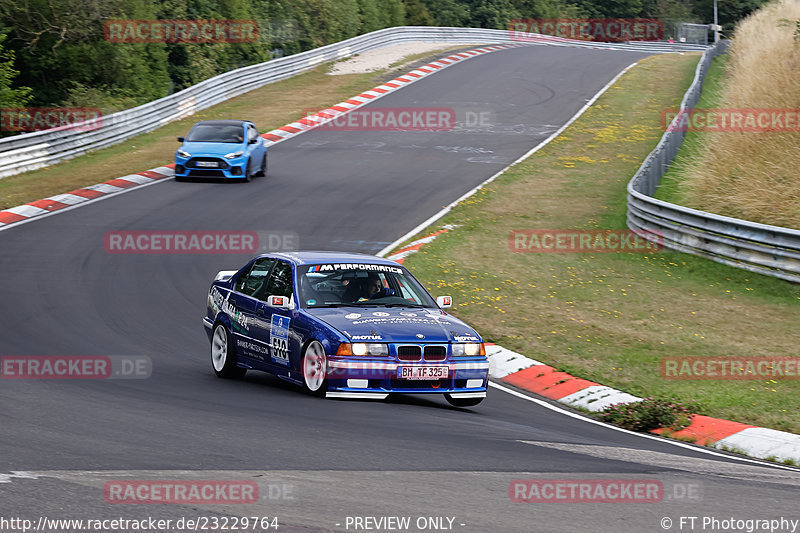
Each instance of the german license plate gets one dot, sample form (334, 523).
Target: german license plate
(422, 372)
(207, 164)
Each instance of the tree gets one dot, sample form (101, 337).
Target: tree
(60, 42)
(493, 13)
(547, 9)
(9, 96)
(729, 11)
(417, 14)
(679, 10)
(368, 12)
(610, 8)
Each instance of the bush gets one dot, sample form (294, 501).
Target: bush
(649, 414)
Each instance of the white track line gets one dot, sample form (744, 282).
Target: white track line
(76, 206)
(524, 156)
(693, 447)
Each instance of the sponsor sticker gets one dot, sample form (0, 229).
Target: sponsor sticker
(354, 266)
(255, 350)
(279, 339)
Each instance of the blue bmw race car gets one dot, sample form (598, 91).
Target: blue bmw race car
(343, 326)
(221, 149)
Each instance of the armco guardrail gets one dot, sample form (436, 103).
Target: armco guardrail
(35, 150)
(770, 250)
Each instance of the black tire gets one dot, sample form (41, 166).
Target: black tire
(263, 171)
(315, 380)
(223, 354)
(462, 402)
(248, 174)
(180, 178)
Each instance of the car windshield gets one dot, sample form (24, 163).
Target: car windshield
(211, 133)
(348, 285)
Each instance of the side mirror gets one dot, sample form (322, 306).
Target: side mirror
(225, 275)
(180, 139)
(281, 302)
(444, 301)
(253, 141)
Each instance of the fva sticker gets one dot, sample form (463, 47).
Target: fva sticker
(279, 339)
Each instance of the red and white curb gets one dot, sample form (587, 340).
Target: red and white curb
(537, 377)
(45, 206)
(22, 213)
(326, 115)
(412, 247)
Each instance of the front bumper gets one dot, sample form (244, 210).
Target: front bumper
(189, 167)
(346, 375)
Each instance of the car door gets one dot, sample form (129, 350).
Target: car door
(278, 321)
(245, 313)
(257, 148)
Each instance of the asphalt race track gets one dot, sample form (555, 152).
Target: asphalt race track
(316, 461)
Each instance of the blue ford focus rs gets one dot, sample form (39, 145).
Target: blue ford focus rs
(343, 326)
(227, 149)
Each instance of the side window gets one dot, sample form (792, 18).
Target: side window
(254, 279)
(251, 133)
(408, 293)
(279, 282)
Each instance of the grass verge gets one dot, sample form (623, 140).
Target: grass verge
(670, 189)
(752, 174)
(608, 317)
(269, 107)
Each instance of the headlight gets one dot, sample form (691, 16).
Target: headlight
(363, 349)
(469, 349)
(234, 155)
(184, 154)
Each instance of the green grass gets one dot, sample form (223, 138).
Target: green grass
(669, 188)
(611, 318)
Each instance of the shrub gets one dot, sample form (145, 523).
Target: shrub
(649, 414)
